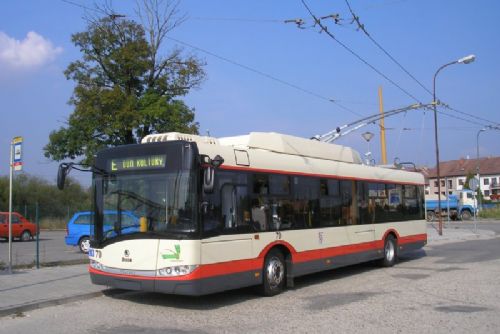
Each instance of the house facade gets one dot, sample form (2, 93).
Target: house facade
(454, 173)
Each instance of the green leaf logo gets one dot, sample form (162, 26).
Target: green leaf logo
(173, 255)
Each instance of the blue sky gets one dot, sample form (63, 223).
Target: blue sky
(35, 48)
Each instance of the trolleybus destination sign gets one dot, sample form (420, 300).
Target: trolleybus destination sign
(135, 163)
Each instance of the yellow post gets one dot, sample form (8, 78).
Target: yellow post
(143, 224)
(382, 126)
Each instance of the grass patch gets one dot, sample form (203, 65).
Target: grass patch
(53, 224)
(490, 213)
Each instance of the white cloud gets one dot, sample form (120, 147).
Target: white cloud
(33, 51)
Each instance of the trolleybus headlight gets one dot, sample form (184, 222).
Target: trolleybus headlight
(176, 270)
(97, 265)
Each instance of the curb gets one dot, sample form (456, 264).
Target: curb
(58, 301)
(45, 264)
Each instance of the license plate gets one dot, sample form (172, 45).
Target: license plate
(91, 252)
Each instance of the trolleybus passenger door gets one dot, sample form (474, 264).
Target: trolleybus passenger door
(361, 229)
(234, 241)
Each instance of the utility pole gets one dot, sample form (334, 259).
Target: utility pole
(382, 126)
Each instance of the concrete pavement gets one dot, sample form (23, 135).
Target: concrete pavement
(29, 289)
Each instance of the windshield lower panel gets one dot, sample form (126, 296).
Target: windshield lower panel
(145, 205)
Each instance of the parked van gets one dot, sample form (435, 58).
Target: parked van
(78, 229)
(22, 228)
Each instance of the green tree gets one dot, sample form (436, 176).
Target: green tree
(125, 89)
(470, 175)
(29, 190)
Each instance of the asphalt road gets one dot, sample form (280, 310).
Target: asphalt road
(445, 288)
(52, 248)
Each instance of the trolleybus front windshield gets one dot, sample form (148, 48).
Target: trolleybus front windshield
(147, 203)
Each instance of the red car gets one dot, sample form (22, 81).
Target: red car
(22, 228)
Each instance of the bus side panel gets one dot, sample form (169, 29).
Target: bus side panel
(411, 235)
(315, 250)
(227, 263)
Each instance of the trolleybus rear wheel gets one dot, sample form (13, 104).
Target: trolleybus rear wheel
(390, 251)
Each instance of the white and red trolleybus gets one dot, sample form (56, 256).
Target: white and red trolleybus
(259, 209)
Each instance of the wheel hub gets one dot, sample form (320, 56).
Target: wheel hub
(389, 251)
(275, 272)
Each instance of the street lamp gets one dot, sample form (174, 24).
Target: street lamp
(368, 136)
(464, 60)
(477, 166)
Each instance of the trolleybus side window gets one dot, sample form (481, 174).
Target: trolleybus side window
(306, 198)
(365, 215)
(335, 202)
(411, 202)
(260, 202)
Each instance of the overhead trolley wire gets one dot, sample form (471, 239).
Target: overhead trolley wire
(462, 119)
(235, 19)
(269, 76)
(97, 10)
(325, 29)
(363, 29)
(306, 91)
(469, 115)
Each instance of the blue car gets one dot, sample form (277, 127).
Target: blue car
(78, 229)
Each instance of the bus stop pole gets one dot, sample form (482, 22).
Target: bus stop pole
(37, 237)
(10, 208)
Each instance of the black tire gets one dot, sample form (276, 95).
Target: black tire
(466, 215)
(25, 236)
(274, 273)
(390, 252)
(84, 244)
(431, 216)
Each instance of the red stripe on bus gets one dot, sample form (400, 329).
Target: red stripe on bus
(412, 238)
(230, 267)
(276, 171)
(238, 266)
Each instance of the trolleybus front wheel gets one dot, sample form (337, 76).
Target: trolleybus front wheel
(274, 273)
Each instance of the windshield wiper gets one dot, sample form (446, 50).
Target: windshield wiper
(135, 196)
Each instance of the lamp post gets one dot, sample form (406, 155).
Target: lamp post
(477, 167)
(368, 136)
(464, 60)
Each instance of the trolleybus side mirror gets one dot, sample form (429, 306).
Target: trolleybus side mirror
(208, 180)
(209, 172)
(217, 161)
